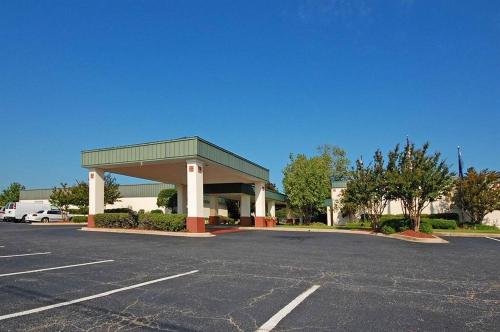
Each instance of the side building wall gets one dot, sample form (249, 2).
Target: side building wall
(394, 207)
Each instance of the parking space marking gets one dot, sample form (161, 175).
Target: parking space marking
(88, 298)
(273, 321)
(55, 268)
(32, 254)
(491, 238)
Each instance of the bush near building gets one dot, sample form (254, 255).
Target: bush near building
(147, 221)
(226, 220)
(116, 220)
(162, 222)
(79, 219)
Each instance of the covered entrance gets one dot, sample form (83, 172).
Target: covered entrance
(196, 167)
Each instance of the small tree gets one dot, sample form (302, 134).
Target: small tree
(337, 160)
(307, 183)
(80, 194)
(233, 209)
(367, 190)
(167, 198)
(417, 178)
(111, 190)
(11, 193)
(62, 198)
(477, 193)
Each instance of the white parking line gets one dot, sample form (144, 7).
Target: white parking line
(32, 254)
(491, 238)
(55, 268)
(62, 304)
(273, 321)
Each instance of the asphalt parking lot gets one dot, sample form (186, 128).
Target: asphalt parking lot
(59, 278)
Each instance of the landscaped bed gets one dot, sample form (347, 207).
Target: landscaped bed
(420, 235)
(142, 221)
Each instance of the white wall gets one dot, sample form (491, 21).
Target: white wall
(394, 207)
(138, 203)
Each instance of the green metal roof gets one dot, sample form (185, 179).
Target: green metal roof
(339, 184)
(126, 190)
(153, 189)
(182, 148)
(33, 194)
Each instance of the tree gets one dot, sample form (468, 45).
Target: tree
(167, 198)
(111, 190)
(417, 178)
(80, 194)
(11, 193)
(307, 183)
(477, 193)
(367, 190)
(233, 209)
(337, 160)
(61, 198)
(271, 187)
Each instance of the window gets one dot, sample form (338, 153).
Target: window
(54, 212)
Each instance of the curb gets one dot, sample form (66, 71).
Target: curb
(57, 223)
(495, 235)
(311, 230)
(343, 231)
(436, 239)
(145, 232)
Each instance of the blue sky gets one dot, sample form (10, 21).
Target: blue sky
(260, 78)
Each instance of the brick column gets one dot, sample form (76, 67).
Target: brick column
(271, 208)
(245, 218)
(181, 198)
(96, 195)
(213, 219)
(260, 204)
(195, 222)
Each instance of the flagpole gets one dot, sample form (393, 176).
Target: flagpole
(461, 176)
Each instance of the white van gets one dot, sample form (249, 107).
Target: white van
(17, 211)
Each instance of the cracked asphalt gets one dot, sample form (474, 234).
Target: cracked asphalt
(367, 283)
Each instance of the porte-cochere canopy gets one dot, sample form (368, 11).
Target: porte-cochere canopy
(193, 165)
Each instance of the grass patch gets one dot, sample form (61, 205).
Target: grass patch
(468, 230)
(317, 225)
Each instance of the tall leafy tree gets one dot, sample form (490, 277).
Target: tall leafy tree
(478, 193)
(307, 183)
(111, 190)
(167, 198)
(337, 160)
(62, 198)
(80, 192)
(11, 193)
(417, 178)
(367, 190)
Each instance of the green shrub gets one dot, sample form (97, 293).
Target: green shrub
(115, 220)
(157, 211)
(446, 215)
(480, 227)
(386, 229)
(79, 219)
(226, 220)
(119, 210)
(441, 223)
(425, 227)
(84, 210)
(398, 224)
(162, 222)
